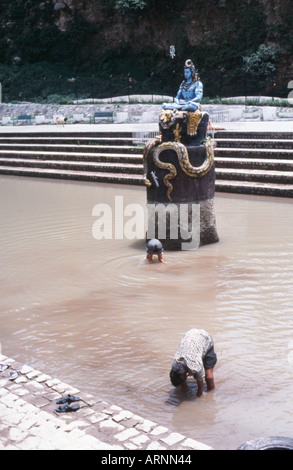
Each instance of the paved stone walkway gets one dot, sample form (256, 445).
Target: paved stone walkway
(29, 420)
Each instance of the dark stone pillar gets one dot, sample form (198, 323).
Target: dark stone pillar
(180, 178)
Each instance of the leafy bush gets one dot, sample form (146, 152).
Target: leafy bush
(261, 65)
(55, 98)
(125, 7)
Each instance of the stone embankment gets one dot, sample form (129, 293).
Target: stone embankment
(29, 420)
(78, 113)
(124, 110)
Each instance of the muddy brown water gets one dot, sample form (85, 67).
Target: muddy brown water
(93, 313)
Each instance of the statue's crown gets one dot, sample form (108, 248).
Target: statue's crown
(190, 65)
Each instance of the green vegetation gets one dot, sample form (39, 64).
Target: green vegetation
(126, 7)
(249, 102)
(261, 65)
(97, 49)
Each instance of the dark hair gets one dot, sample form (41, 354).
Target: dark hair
(178, 373)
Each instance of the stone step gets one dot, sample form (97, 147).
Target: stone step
(135, 165)
(249, 187)
(105, 177)
(247, 163)
(252, 135)
(254, 153)
(282, 177)
(254, 163)
(72, 140)
(256, 143)
(136, 144)
(228, 186)
(77, 156)
(130, 168)
(66, 134)
(127, 168)
(72, 148)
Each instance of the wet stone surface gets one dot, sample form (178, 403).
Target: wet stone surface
(29, 420)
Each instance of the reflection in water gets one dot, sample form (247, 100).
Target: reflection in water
(187, 392)
(96, 315)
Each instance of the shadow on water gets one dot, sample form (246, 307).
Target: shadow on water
(185, 392)
(138, 245)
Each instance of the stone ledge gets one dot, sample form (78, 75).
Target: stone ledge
(30, 420)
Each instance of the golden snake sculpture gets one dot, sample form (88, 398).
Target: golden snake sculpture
(183, 158)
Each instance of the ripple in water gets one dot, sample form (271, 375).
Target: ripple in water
(96, 315)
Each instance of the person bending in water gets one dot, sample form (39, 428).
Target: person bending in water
(195, 357)
(155, 247)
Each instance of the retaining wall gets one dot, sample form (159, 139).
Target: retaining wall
(141, 112)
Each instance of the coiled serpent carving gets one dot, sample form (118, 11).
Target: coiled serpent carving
(183, 158)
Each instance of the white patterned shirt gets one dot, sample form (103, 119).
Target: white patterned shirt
(193, 348)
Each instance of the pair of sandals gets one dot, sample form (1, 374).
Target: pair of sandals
(64, 402)
(13, 375)
(67, 404)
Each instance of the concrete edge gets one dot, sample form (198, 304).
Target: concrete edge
(29, 420)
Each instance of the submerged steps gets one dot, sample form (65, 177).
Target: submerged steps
(94, 176)
(261, 189)
(246, 162)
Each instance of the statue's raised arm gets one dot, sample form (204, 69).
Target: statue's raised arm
(190, 92)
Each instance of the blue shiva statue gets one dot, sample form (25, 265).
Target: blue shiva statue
(179, 169)
(190, 92)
